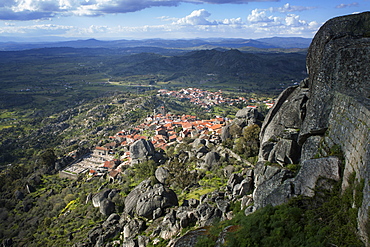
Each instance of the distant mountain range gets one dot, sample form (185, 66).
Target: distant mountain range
(154, 44)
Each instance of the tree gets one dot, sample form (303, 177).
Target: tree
(145, 169)
(235, 130)
(251, 136)
(248, 144)
(47, 159)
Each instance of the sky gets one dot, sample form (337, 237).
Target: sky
(46, 20)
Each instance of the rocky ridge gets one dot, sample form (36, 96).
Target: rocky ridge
(152, 207)
(327, 114)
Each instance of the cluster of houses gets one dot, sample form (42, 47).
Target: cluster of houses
(166, 130)
(200, 97)
(161, 130)
(207, 99)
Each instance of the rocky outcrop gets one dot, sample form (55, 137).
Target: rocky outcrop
(279, 132)
(249, 116)
(102, 200)
(327, 114)
(162, 174)
(145, 200)
(279, 185)
(243, 118)
(211, 159)
(141, 149)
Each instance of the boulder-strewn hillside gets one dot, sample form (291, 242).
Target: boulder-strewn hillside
(309, 187)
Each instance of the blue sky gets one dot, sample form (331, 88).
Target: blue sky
(169, 19)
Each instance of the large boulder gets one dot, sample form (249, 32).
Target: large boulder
(107, 207)
(225, 133)
(314, 171)
(250, 116)
(162, 174)
(102, 201)
(100, 196)
(267, 182)
(279, 188)
(145, 199)
(210, 160)
(284, 152)
(141, 149)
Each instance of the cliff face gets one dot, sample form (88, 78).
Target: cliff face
(327, 112)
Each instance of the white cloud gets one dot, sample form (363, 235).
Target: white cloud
(45, 29)
(40, 9)
(279, 21)
(289, 8)
(200, 18)
(294, 20)
(197, 17)
(342, 5)
(259, 15)
(232, 21)
(198, 23)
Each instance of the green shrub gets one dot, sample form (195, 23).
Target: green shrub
(68, 198)
(328, 219)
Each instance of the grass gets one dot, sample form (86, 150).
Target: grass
(196, 194)
(209, 183)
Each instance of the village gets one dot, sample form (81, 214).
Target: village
(203, 98)
(160, 130)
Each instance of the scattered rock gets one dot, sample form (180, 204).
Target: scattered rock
(113, 219)
(112, 194)
(133, 228)
(211, 159)
(106, 207)
(193, 203)
(141, 149)
(199, 142)
(250, 116)
(94, 234)
(162, 174)
(100, 196)
(245, 186)
(206, 214)
(234, 179)
(30, 189)
(88, 198)
(223, 205)
(145, 199)
(129, 243)
(228, 170)
(143, 241)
